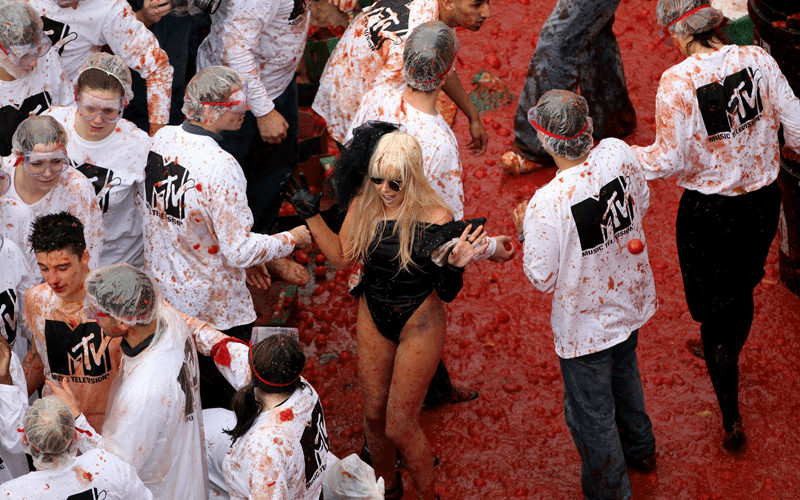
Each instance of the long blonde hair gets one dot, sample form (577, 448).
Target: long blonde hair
(397, 156)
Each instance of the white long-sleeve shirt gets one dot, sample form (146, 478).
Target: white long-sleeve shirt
(283, 456)
(115, 167)
(45, 86)
(370, 53)
(15, 278)
(83, 30)
(717, 120)
(73, 193)
(197, 229)
(264, 41)
(577, 228)
(13, 406)
(96, 474)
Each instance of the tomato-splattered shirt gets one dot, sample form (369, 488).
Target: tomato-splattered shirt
(370, 53)
(13, 406)
(16, 277)
(45, 86)
(284, 455)
(197, 228)
(717, 120)
(264, 41)
(79, 32)
(115, 167)
(73, 193)
(577, 228)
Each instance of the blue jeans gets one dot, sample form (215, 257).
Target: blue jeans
(577, 48)
(266, 165)
(604, 410)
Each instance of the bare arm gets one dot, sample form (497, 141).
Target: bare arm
(455, 91)
(332, 245)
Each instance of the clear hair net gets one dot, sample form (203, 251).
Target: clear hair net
(123, 292)
(50, 433)
(428, 55)
(19, 24)
(563, 125)
(37, 130)
(705, 19)
(212, 84)
(113, 66)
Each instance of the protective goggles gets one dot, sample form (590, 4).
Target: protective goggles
(37, 163)
(664, 31)
(393, 185)
(110, 110)
(237, 102)
(24, 55)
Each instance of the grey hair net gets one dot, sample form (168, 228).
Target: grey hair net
(37, 130)
(113, 66)
(123, 292)
(212, 84)
(667, 11)
(428, 55)
(565, 114)
(50, 433)
(19, 24)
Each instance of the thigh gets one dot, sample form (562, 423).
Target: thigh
(375, 363)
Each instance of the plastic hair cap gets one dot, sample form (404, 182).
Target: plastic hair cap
(113, 66)
(212, 84)
(20, 25)
(49, 433)
(123, 292)
(562, 121)
(37, 130)
(428, 55)
(687, 17)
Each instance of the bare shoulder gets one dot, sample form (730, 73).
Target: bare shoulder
(437, 215)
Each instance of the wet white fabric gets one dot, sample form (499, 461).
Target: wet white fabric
(15, 278)
(197, 229)
(154, 421)
(73, 193)
(440, 158)
(13, 405)
(115, 168)
(264, 41)
(370, 53)
(48, 76)
(215, 422)
(96, 474)
(17, 219)
(284, 454)
(714, 152)
(577, 228)
(94, 23)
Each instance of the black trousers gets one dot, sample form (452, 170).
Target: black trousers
(215, 391)
(723, 243)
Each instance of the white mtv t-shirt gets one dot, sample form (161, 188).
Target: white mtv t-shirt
(95, 475)
(284, 454)
(577, 228)
(115, 167)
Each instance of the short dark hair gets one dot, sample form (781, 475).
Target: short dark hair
(57, 231)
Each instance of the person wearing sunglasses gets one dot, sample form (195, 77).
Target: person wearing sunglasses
(31, 76)
(43, 181)
(110, 151)
(50, 435)
(394, 225)
(198, 238)
(718, 114)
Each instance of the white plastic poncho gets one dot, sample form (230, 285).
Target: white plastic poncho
(215, 422)
(15, 278)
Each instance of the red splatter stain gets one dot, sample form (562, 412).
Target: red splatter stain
(286, 415)
(196, 246)
(213, 249)
(87, 475)
(198, 187)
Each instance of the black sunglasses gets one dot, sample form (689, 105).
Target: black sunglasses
(393, 185)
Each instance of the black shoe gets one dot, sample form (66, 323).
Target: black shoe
(643, 465)
(365, 455)
(457, 395)
(395, 493)
(735, 438)
(696, 347)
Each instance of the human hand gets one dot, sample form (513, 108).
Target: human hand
(258, 276)
(152, 11)
(305, 203)
(155, 127)
(272, 127)
(504, 250)
(5, 362)
(519, 216)
(344, 5)
(480, 139)
(302, 237)
(467, 247)
(64, 393)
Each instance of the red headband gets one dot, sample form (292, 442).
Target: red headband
(555, 136)
(681, 18)
(271, 384)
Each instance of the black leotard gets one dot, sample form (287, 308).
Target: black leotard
(393, 295)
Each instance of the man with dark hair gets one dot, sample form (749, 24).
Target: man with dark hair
(69, 347)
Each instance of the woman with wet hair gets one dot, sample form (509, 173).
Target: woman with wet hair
(394, 222)
(717, 115)
(280, 443)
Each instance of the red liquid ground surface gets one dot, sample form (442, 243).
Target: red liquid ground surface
(512, 442)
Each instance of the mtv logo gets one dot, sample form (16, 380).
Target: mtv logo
(730, 104)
